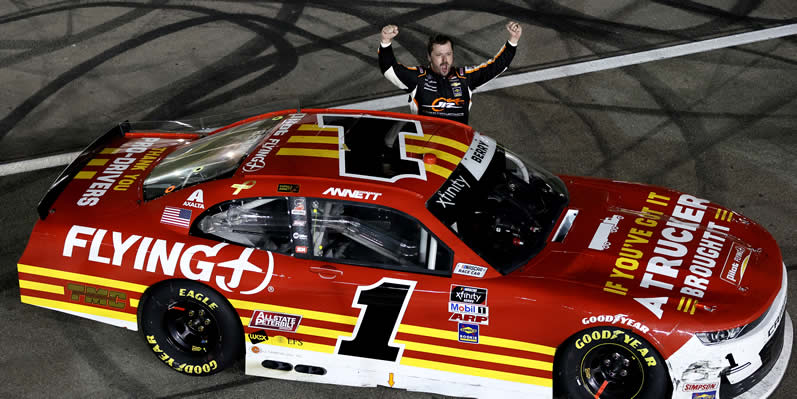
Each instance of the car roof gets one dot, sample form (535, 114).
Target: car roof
(410, 152)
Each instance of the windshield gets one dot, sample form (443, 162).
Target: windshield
(213, 157)
(500, 205)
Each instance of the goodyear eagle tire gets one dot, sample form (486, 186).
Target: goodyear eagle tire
(190, 327)
(610, 363)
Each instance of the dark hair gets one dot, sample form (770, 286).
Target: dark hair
(438, 39)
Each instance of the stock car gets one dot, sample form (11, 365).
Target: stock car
(379, 249)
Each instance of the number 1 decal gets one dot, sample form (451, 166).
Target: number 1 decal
(382, 307)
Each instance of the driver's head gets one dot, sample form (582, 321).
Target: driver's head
(441, 54)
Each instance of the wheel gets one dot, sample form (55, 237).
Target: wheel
(190, 327)
(610, 363)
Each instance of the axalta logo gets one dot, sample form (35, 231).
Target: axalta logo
(355, 194)
(442, 103)
(150, 254)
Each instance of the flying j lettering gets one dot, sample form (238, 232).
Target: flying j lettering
(162, 256)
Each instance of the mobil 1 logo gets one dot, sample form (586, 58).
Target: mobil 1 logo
(468, 304)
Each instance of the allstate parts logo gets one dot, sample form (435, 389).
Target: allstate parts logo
(195, 262)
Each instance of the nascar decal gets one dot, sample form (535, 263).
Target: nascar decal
(470, 270)
(150, 253)
(258, 160)
(468, 304)
(118, 172)
(663, 270)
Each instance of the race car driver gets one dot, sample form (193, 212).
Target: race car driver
(441, 89)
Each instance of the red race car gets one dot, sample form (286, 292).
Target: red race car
(370, 248)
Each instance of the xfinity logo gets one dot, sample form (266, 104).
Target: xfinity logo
(195, 262)
(449, 195)
(348, 193)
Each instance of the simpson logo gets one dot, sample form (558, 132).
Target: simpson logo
(150, 254)
(468, 333)
(275, 321)
(470, 270)
(472, 295)
(703, 387)
(736, 264)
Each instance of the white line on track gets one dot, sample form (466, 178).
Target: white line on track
(506, 81)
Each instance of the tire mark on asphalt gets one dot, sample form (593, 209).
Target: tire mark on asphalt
(41, 47)
(244, 381)
(762, 111)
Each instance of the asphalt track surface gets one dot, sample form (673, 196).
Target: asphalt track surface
(719, 124)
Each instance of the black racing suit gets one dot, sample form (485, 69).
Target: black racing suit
(442, 96)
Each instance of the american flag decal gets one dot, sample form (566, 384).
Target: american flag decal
(176, 216)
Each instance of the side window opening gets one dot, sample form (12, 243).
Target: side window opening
(374, 236)
(262, 223)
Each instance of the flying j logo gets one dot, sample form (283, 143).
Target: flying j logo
(151, 254)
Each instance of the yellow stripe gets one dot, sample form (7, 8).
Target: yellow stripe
(97, 162)
(730, 216)
(476, 355)
(483, 340)
(442, 140)
(313, 139)
(85, 174)
(440, 154)
(438, 170)
(83, 278)
(308, 152)
(109, 151)
(73, 307)
(310, 314)
(479, 372)
(717, 215)
(133, 302)
(681, 304)
(317, 128)
(32, 285)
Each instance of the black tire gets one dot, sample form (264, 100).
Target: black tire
(190, 327)
(615, 362)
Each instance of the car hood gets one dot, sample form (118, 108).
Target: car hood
(662, 254)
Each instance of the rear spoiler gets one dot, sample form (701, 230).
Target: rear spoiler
(77, 165)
